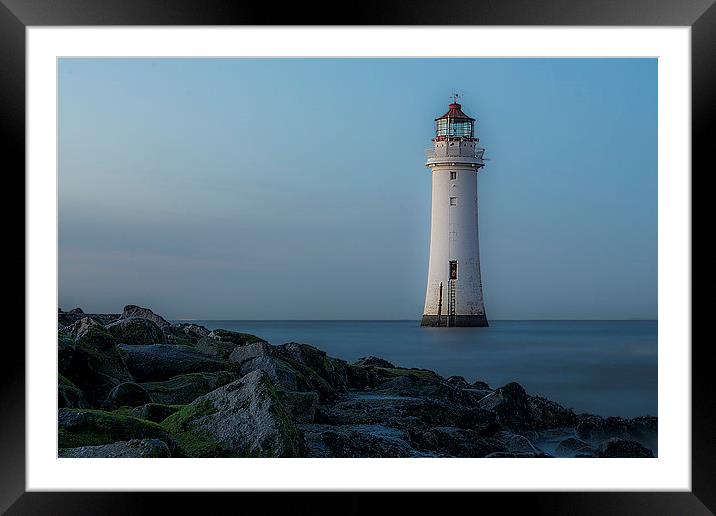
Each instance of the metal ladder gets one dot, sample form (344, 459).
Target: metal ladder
(451, 303)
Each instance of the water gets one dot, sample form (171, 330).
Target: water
(601, 367)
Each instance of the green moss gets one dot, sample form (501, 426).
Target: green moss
(286, 428)
(193, 442)
(89, 427)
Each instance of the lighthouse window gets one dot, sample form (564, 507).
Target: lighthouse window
(453, 201)
(453, 174)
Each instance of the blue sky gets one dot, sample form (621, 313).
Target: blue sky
(296, 188)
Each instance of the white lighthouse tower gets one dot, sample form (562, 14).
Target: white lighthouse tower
(454, 291)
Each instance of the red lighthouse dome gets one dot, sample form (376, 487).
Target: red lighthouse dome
(454, 124)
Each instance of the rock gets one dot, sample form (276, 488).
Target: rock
(215, 348)
(185, 388)
(69, 395)
(65, 319)
(515, 443)
(240, 339)
(458, 381)
(282, 374)
(77, 310)
(135, 448)
(158, 362)
(127, 394)
(516, 410)
(187, 334)
(300, 406)
(324, 374)
(357, 441)
(135, 330)
(65, 351)
(571, 446)
(241, 354)
(242, 419)
(456, 442)
(131, 311)
(483, 386)
(155, 412)
(93, 363)
(510, 455)
(370, 360)
(616, 447)
(80, 328)
(86, 427)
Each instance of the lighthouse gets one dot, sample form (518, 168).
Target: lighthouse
(454, 291)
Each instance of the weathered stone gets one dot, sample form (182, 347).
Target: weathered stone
(135, 448)
(238, 338)
(357, 441)
(616, 447)
(158, 362)
(69, 395)
(144, 313)
(84, 427)
(241, 354)
(478, 384)
(77, 310)
(458, 381)
(136, 330)
(94, 364)
(155, 412)
(80, 328)
(515, 443)
(215, 347)
(570, 447)
(242, 419)
(185, 388)
(301, 406)
(127, 394)
(596, 429)
(282, 374)
(456, 442)
(370, 360)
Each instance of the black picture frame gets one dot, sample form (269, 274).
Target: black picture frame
(16, 15)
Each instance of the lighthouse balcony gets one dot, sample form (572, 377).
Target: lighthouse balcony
(446, 153)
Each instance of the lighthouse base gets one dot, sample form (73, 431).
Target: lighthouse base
(455, 321)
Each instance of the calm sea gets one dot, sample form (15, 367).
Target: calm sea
(602, 367)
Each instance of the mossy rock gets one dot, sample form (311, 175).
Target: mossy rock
(94, 364)
(235, 337)
(185, 388)
(136, 330)
(87, 427)
(156, 412)
(126, 394)
(324, 374)
(242, 419)
(160, 362)
(69, 395)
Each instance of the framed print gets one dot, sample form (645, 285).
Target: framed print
(418, 250)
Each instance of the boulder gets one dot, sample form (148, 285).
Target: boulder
(244, 418)
(596, 429)
(77, 310)
(479, 384)
(159, 362)
(616, 447)
(155, 412)
(515, 443)
(325, 375)
(127, 394)
(234, 337)
(86, 427)
(458, 381)
(81, 327)
(370, 360)
(456, 442)
(215, 347)
(241, 354)
(131, 311)
(135, 448)
(185, 388)
(300, 406)
(69, 395)
(93, 363)
(282, 374)
(135, 330)
(187, 334)
(357, 441)
(571, 447)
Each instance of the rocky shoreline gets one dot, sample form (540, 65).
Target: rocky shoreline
(136, 385)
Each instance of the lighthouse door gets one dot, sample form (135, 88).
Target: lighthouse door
(451, 293)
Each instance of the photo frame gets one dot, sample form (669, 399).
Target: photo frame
(16, 15)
